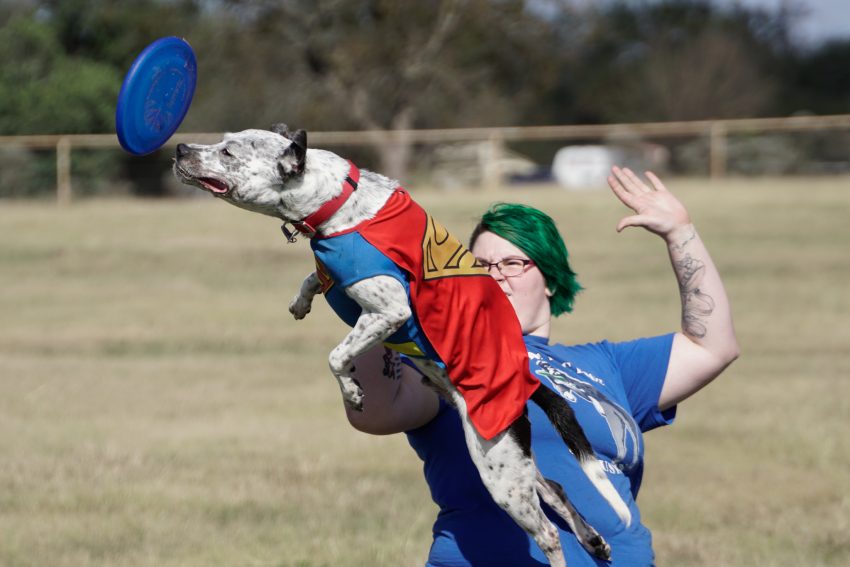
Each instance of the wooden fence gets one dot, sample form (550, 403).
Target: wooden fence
(715, 130)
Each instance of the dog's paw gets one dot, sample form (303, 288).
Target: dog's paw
(590, 539)
(354, 404)
(352, 394)
(299, 307)
(598, 547)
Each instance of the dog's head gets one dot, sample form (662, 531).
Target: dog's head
(248, 169)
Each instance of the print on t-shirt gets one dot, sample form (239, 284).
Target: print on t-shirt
(624, 429)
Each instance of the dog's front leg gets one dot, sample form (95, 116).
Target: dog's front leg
(385, 308)
(301, 303)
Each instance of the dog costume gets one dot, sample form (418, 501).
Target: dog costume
(471, 328)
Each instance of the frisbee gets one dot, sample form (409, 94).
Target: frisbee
(155, 95)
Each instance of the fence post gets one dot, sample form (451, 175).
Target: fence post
(717, 150)
(63, 171)
(491, 165)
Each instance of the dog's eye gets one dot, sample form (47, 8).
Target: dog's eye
(226, 152)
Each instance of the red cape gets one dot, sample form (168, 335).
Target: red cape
(464, 314)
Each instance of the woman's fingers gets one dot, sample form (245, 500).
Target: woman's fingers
(638, 181)
(627, 197)
(625, 180)
(655, 181)
(631, 181)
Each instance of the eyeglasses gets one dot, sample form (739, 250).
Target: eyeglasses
(508, 267)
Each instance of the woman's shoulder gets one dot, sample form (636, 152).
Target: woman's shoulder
(542, 347)
(609, 348)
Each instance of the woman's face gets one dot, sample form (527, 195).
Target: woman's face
(527, 292)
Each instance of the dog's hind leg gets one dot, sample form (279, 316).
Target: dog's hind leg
(509, 473)
(563, 419)
(553, 494)
(506, 469)
(384, 305)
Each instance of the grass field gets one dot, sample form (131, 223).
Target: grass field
(158, 406)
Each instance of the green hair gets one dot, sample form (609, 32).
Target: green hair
(534, 232)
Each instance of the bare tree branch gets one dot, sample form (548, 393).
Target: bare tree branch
(423, 62)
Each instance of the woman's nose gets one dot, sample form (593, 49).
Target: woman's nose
(494, 272)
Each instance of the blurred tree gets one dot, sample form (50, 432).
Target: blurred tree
(382, 65)
(115, 31)
(682, 60)
(819, 80)
(45, 90)
(385, 65)
(109, 34)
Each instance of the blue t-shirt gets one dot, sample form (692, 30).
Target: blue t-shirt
(613, 389)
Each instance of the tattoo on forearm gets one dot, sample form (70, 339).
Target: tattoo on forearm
(681, 246)
(392, 365)
(696, 305)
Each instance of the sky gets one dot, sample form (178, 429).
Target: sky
(825, 19)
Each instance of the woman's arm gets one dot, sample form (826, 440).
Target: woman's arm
(395, 399)
(707, 343)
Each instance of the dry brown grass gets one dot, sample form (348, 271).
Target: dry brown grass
(159, 407)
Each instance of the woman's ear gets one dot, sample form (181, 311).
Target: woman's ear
(549, 292)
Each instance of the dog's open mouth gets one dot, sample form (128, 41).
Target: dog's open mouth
(213, 185)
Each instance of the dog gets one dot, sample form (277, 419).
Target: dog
(430, 299)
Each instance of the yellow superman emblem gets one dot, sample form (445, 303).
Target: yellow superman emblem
(444, 255)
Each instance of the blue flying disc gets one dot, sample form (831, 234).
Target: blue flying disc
(155, 95)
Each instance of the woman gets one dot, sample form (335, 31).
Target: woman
(617, 390)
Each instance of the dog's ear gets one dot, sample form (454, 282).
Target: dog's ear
(299, 142)
(292, 162)
(282, 129)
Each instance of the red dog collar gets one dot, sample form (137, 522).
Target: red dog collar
(349, 185)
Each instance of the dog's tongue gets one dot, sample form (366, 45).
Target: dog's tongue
(214, 185)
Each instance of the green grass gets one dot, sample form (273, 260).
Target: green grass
(158, 406)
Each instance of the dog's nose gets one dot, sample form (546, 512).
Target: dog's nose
(182, 150)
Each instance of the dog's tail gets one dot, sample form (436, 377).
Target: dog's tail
(563, 418)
